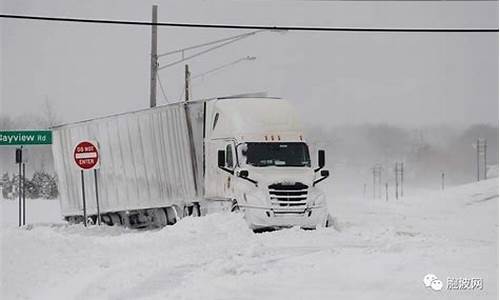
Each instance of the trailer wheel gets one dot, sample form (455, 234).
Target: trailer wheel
(171, 215)
(159, 218)
(115, 219)
(187, 211)
(74, 220)
(178, 212)
(90, 221)
(106, 219)
(196, 210)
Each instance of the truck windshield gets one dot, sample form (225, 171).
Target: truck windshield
(274, 154)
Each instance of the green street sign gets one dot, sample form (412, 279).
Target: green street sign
(25, 137)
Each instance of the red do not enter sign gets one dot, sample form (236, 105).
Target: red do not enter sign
(86, 155)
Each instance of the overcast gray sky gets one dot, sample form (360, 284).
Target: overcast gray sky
(89, 70)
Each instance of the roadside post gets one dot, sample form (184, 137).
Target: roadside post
(24, 193)
(86, 156)
(97, 198)
(19, 161)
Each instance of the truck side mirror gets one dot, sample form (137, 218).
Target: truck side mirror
(221, 158)
(321, 158)
(244, 174)
(324, 174)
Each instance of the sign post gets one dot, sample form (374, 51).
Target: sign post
(86, 156)
(24, 193)
(97, 198)
(84, 202)
(19, 161)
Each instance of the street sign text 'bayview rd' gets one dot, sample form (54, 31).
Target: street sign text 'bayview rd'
(25, 137)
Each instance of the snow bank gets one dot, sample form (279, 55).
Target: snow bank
(37, 211)
(380, 250)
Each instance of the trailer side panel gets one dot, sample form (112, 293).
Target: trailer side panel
(145, 161)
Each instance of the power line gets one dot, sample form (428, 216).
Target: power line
(210, 43)
(161, 87)
(200, 53)
(255, 27)
(396, 0)
(223, 66)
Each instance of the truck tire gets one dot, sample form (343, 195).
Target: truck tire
(90, 221)
(178, 212)
(106, 219)
(196, 210)
(74, 220)
(159, 218)
(171, 215)
(115, 219)
(192, 210)
(187, 211)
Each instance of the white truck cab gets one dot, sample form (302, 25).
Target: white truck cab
(258, 159)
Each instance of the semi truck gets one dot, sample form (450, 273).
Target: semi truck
(157, 165)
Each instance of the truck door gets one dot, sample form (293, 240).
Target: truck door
(230, 164)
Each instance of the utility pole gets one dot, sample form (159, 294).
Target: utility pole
(477, 159)
(187, 82)
(396, 177)
(377, 181)
(154, 57)
(386, 191)
(442, 180)
(481, 146)
(373, 172)
(190, 127)
(485, 164)
(402, 173)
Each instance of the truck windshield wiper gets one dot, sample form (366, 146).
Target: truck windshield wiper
(297, 165)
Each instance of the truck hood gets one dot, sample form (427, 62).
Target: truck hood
(269, 175)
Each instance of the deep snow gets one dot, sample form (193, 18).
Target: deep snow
(378, 250)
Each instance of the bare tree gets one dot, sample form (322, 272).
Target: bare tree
(49, 115)
(5, 122)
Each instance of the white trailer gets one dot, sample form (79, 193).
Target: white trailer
(192, 158)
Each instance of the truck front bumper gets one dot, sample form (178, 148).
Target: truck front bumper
(267, 217)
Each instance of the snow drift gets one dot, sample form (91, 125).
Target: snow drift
(378, 250)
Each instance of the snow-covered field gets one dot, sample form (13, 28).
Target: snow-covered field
(378, 250)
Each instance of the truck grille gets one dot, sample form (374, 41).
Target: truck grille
(288, 198)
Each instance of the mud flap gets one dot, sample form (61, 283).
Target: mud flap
(331, 222)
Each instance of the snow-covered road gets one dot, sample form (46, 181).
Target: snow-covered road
(378, 250)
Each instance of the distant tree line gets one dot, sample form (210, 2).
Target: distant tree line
(427, 152)
(41, 185)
